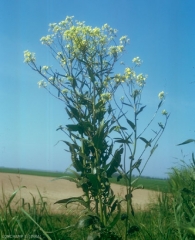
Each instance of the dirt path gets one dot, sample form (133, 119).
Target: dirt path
(60, 189)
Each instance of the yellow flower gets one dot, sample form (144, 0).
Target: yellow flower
(164, 112)
(120, 48)
(64, 91)
(96, 31)
(47, 40)
(137, 61)
(141, 79)
(124, 40)
(106, 97)
(119, 78)
(51, 79)
(44, 69)
(161, 95)
(42, 83)
(29, 57)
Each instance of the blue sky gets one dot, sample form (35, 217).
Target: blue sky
(161, 33)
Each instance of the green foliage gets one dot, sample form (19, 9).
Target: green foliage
(186, 142)
(170, 216)
(24, 220)
(182, 183)
(88, 86)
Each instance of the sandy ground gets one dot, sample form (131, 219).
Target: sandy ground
(53, 191)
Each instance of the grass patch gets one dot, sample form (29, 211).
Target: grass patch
(32, 172)
(155, 184)
(171, 217)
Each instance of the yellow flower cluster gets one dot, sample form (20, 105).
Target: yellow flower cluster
(61, 57)
(114, 50)
(119, 78)
(44, 69)
(51, 79)
(29, 57)
(164, 112)
(106, 97)
(109, 30)
(140, 79)
(47, 40)
(64, 91)
(42, 83)
(81, 38)
(129, 73)
(161, 95)
(137, 61)
(124, 40)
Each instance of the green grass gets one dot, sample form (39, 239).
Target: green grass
(155, 184)
(37, 222)
(31, 172)
(171, 217)
(23, 220)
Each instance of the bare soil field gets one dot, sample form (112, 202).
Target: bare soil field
(53, 191)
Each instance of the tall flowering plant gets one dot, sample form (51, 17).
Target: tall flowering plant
(87, 84)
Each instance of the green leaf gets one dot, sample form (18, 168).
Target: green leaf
(153, 149)
(111, 197)
(190, 230)
(13, 195)
(160, 125)
(100, 136)
(115, 162)
(131, 124)
(140, 110)
(114, 205)
(159, 105)
(128, 104)
(121, 140)
(94, 181)
(124, 140)
(75, 128)
(85, 221)
(41, 229)
(139, 187)
(109, 110)
(74, 112)
(75, 136)
(87, 126)
(75, 161)
(137, 164)
(186, 142)
(72, 200)
(116, 218)
(123, 128)
(148, 143)
(72, 146)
